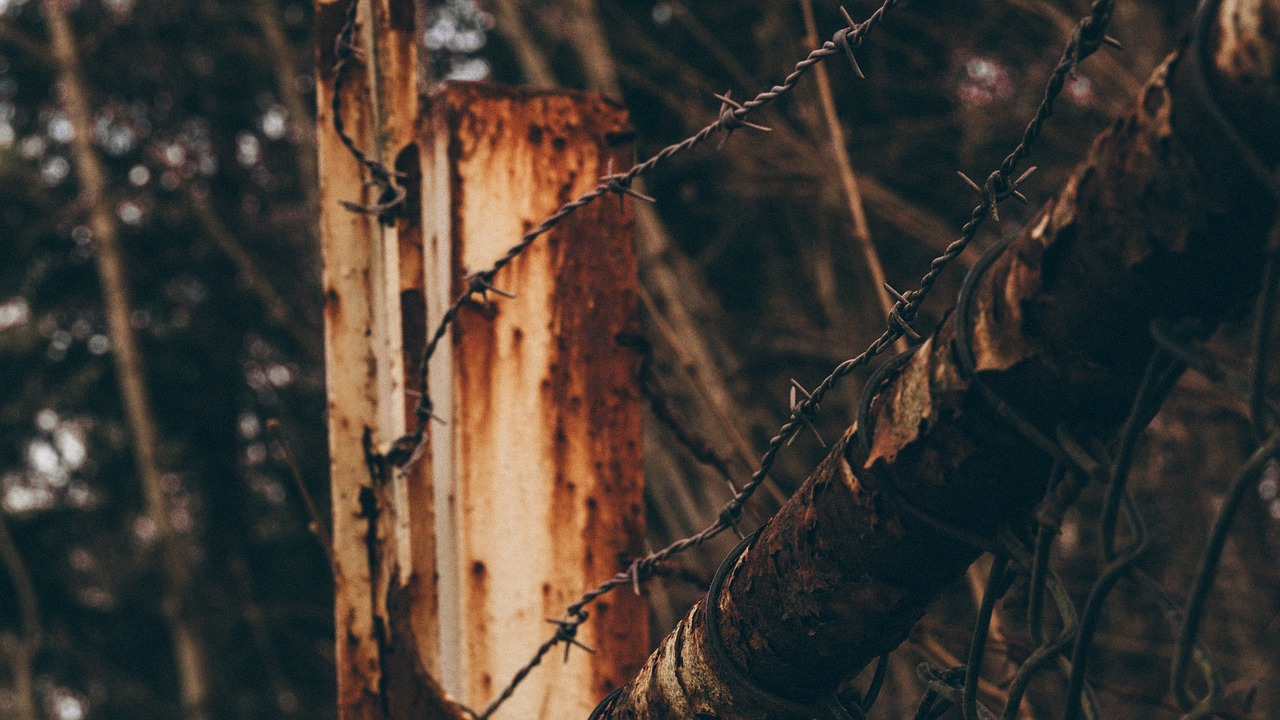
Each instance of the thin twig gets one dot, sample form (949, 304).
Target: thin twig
(24, 43)
(848, 181)
(533, 62)
(22, 650)
(690, 368)
(317, 525)
(266, 14)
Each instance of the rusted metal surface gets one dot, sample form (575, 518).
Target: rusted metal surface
(537, 466)
(1150, 226)
(383, 532)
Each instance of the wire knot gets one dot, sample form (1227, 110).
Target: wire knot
(620, 184)
(730, 514)
(343, 46)
(998, 188)
(481, 283)
(391, 197)
(1090, 35)
(567, 631)
(849, 37)
(731, 117)
(641, 569)
(804, 410)
(902, 313)
(403, 449)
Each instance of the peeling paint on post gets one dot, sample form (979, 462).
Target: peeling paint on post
(538, 472)
(383, 532)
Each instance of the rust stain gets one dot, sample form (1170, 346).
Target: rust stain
(332, 306)
(380, 674)
(583, 387)
(593, 303)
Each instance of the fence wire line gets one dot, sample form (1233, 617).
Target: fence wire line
(1026, 548)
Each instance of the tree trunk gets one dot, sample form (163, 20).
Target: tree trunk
(1158, 222)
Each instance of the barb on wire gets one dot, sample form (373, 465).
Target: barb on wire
(730, 119)
(621, 185)
(807, 413)
(847, 44)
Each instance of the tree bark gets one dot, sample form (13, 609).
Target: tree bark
(1158, 222)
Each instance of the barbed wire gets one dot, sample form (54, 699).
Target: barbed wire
(392, 194)
(1025, 549)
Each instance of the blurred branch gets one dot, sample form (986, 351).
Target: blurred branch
(844, 168)
(21, 657)
(24, 43)
(284, 64)
(188, 648)
(21, 650)
(533, 63)
(591, 45)
(258, 283)
(712, 44)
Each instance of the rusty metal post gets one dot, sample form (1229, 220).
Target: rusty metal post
(383, 530)
(537, 467)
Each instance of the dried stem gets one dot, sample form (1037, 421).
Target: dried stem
(844, 168)
(712, 391)
(21, 650)
(587, 37)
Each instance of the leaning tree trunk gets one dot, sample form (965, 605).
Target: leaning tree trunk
(1159, 221)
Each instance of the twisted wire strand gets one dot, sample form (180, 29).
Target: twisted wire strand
(393, 193)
